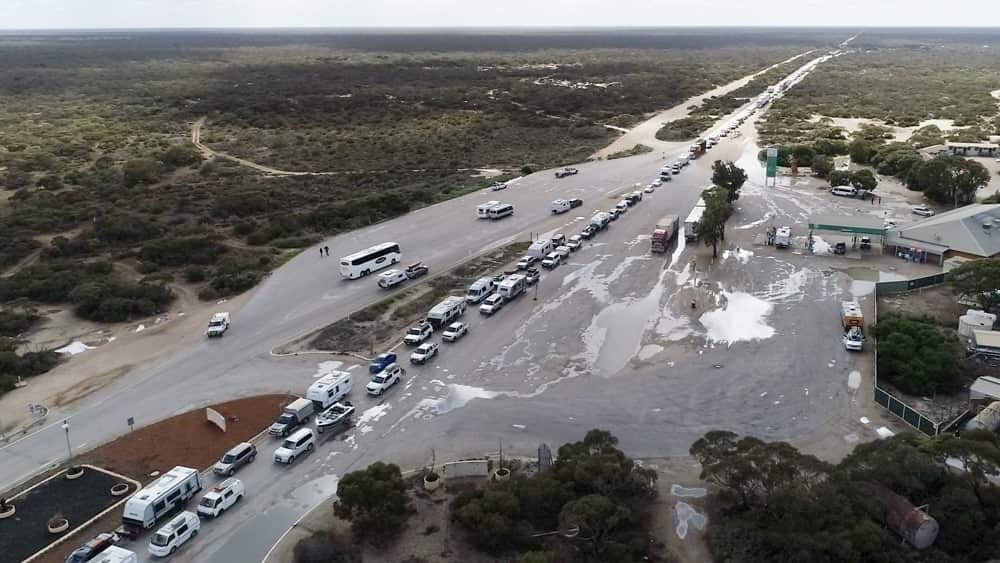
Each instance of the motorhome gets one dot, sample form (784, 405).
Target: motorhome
(483, 210)
(446, 311)
(500, 211)
(329, 389)
(480, 289)
(161, 497)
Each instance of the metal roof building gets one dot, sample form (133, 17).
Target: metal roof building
(851, 224)
(985, 387)
(973, 149)
(972, 231)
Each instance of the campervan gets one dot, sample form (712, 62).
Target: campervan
(160, 497)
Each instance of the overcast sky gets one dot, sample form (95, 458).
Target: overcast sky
(62, 14)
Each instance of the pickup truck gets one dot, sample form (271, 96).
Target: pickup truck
(568, 171)
(218, 325)
(338, 414)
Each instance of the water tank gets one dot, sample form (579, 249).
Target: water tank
(987, 419)
(916, 527)
(969, 323)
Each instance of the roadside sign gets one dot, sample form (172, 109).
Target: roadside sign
(772, 163)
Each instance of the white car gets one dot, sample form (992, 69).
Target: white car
(299, 442)
(424, 352)
(454, 332)
(552, 260)
(418, 333)
(492, 304)
(622, 206)
(649, 189)
(525, 262)
(383, 380)
(922, 210)
(497, 186)
(218, 325)
(562, 251)
(574, 243)
(221, 497)
(657, 182)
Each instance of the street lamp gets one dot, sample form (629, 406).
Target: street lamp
(69, 449)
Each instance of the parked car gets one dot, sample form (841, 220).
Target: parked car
(558, 239)
(552, 260)
(93, 548)
(525, 262)
(416, 270)
(221, 497)
(575, 202)
(657, 182)
(574, 243)
(299, 442)
(622, 206)
(174, 534)
(454, 332)
(380, 361)
(492, 304)
(588, 232)
(424, 352)
(497, 186)
(238, 456)
(615, 213)
(563, 251)
(649, 189)
(840, 248)
(922, 210)
(382, 381)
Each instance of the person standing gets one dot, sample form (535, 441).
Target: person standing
(327, 251)
(321, 252)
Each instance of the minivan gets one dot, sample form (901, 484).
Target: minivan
(844, 191)
(176, 533)
(240, 455)
(221, 497)
(480, 289)
(301, 441)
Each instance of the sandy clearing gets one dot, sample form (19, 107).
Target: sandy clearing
(851, 124)
(645, 132)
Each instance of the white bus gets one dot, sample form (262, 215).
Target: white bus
(369, 260)
(501, 211)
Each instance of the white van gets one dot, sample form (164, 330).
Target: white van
(540, 248)
(221, 497)
(500, 211)
(483, 210)
(560, 206)
(329, 389)
(115, 554)
(844, 191)
(480, 289)
(391, 278)
(176, 533)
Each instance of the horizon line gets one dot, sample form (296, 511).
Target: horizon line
(628, 27)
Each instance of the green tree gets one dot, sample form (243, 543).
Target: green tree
(864, 179)
(596, 517)
(374, 499)
(493, 519)
(140, 171)
(718, 209)
(181, 155)
(839, 178)
(927, 136)
(729, 177)
(917, 357)
(822, 165)
(803, 154)
(949, 179)
(979, 280)
(861, 151)
(597, 466)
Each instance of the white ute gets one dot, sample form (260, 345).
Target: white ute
(218, 325)
(418, 333)
(221, 497)
(454, 332)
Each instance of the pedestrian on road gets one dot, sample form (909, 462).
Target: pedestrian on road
(321, 252)
(327, 251)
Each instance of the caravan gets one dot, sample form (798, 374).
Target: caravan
(512, 286)
(160, 497)
(540, 248)
(329, 389)
(446, 311)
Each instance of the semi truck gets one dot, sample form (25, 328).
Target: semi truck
(698, 148)
(663, 232)
(693, 222)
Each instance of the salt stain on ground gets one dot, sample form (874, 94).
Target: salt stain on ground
(741, 319)
(854, 380)
(820, 246)
(687, 492)
(371, 416)
(140, 328)
(458, 396)
(74, 348)
(741, 255)
(767, 217)
(328, 367)
(686, 515)
(649, 350)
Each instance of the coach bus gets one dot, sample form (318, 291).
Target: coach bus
(362, 263)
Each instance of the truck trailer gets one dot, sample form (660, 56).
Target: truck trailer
(663, 232)
(693, 222)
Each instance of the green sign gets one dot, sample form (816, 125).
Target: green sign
(772, 163)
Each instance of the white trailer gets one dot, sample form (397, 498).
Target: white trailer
(512, 286)
(693, 222)
(446, 311)
(160, 497)
(329, 389)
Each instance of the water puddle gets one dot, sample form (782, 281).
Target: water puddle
(687, 515)
(458, 396)
(687, 492)
(317, 489)
(740, 319)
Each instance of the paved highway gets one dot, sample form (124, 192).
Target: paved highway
(308, 293)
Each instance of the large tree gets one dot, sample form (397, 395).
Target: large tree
(948, 179)
(374, 499)
(979, 280)
(864, 179)
(729, 177)
(822, 165)
(917, 356)
(718, 209)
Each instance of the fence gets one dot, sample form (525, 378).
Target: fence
(910, 415)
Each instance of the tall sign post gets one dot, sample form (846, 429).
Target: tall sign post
(772, 166)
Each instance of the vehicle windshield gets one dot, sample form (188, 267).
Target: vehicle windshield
(378, 379)
(286, 419)
(215, 323)
(160, 539)
(208, 502)
(414, 331)
(288, 445)
(228, 458)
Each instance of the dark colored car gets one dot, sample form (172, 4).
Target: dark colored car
(380, 361)
(588, 232)
(93, 548)
(575, 202)
(840, 248)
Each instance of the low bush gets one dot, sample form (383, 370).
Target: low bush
(918, 357)
(13, 323)
(117, 301)
(181, 251)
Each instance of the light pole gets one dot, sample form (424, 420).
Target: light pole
(69, 449)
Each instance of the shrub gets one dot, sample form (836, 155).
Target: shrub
(13, 323)
(918, 357)
(232, 282)
(117, 301)
(125, 227)
(181, 251)
(194, 274)
(181, 155)
(140, 171)
(374, 499)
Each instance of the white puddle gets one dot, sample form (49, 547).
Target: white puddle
(458, 396)
(326, 368)
(140, 328)
(74, 348)
(884, 432)
(688, 492)
(765, 219)
(741, 319)
(741, 255)
(686, 514)
(854, 380)
(649, 350)
(371, 416)
(820, 246)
